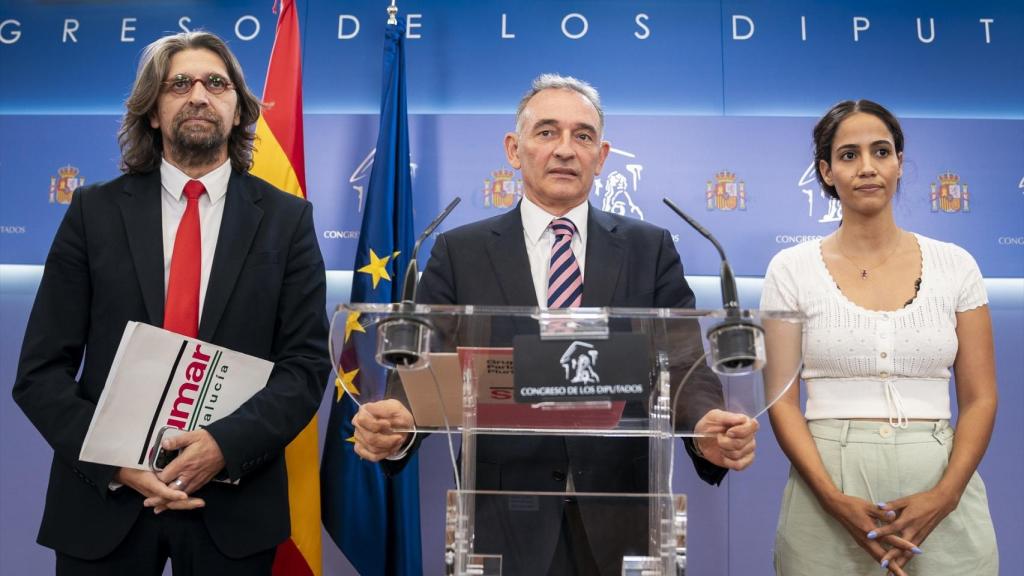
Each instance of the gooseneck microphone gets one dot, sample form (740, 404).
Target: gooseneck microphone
(737, 343)
(411, 271)
(404, 339)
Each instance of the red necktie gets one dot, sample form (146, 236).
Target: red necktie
(181, 311)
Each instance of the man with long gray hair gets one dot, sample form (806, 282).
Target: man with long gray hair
(186, 239)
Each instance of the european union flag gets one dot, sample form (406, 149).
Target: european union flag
(375, 520)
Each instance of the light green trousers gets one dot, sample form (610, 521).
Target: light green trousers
(879, 463)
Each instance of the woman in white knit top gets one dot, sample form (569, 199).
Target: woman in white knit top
(879, 480)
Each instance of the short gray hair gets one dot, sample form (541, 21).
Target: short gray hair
(558, 82)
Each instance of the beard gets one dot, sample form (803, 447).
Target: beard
(198, 143)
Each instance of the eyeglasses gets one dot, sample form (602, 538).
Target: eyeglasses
(182, 84)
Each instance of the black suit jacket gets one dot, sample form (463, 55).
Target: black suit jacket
(265, 297)
(629, 263)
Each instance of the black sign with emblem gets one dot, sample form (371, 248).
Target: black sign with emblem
(617, 368)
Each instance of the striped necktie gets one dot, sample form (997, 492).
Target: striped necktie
(565, 283)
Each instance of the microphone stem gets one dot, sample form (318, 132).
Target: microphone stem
(409, 284)
(730, 295)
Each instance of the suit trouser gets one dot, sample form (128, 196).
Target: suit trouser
(180, 536)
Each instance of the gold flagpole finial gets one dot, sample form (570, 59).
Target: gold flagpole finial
(392, 14)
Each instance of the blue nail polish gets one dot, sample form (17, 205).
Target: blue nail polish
(885, 564)
(890, 514)
(880, 504)
(917, 550)
(872, 535)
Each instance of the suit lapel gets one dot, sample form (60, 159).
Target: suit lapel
(605, 252)
(507, 250)
(242, 216)
(141, 212)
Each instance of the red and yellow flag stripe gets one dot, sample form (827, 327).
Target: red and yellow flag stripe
(280, 160)
(279, 157)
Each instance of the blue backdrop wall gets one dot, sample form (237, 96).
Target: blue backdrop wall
(709, 102)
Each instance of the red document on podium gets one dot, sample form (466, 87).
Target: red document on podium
(491, 372)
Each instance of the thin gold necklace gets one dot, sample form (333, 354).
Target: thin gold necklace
(864, 270)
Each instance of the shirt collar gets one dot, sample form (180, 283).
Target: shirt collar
(536, 220)
(173, 180)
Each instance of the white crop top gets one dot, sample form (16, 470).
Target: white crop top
(860, 363)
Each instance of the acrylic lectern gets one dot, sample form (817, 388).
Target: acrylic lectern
(568, 419)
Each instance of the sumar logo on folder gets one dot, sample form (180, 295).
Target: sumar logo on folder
(163, 379)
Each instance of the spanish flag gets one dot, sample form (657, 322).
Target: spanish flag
(279, 159)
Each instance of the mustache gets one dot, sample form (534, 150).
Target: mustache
(187, 114)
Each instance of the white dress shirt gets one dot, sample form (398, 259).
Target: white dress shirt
(211, 212)
(540, 239)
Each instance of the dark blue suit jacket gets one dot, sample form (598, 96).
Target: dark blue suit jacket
(265, 297)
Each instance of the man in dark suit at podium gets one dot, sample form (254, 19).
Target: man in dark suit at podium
(555, 250)
(188, 240)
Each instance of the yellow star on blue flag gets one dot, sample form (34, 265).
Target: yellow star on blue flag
(377, 268)
(352, 325)
(345, 382)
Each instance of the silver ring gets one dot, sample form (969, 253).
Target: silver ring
(178, 483)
